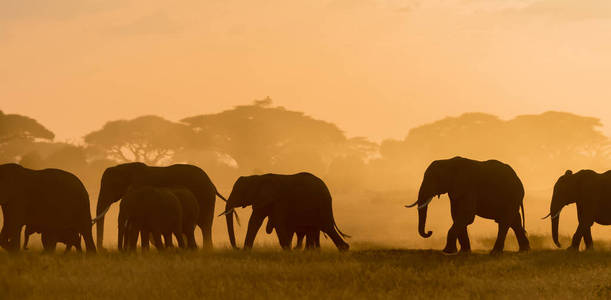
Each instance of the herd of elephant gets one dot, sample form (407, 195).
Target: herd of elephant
(164, 203)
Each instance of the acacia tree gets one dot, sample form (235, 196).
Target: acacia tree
(539, 147)
(19, 135)
(149, 139)
(263, 138)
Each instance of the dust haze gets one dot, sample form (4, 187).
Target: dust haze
(364, 94)
(370, 181)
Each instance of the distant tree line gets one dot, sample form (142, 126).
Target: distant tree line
(261, 138)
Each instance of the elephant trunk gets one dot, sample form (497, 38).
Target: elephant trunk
(422, 211)
(121, 232)
(555, 209)
(99, 220)
(229, 218)
(100, 233)
(555, 222)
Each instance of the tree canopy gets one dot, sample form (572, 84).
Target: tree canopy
(18, 134)
(538, 146)
(262, 137)
(150, 139)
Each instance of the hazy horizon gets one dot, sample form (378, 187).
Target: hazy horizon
(374, 68)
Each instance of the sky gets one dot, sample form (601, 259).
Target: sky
(375, 68)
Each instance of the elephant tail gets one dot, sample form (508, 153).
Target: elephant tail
(340, 232)
(523, 216)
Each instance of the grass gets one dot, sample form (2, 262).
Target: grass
(270, 273)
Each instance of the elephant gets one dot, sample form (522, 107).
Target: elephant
(70, 238)
(190, 214)
(312, 242)
(591, 192)
(154, 210)
(298, 202)
(489, 189)
(50, 200)
(116, 180)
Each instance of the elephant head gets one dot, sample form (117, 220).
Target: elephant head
(10, 185)
(565, 193)
(247, 190)
(437, 181)
(115, 182)
(11, 182)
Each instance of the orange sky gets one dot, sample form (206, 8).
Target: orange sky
(374, 67)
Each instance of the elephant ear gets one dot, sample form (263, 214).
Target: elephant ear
(266, 193)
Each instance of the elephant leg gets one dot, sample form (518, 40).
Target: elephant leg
(190, 234)
(587, 238)
(206, 216)
(77, 246)
(144, 240)
(88, 238)
(520, 233)
(285, 237)
(577, 238)
(132, 238)
(49, 242)
(120, 236)
(300, 236)
(463, 238)
(254, 223)
(499, 245)
(312, 239)
(309, 242)
(462, 210)
(167, 236)
(450, 247)
(157, 241)
(44, 238)
(26, 240)
(12, 237)
(317, 238)
(180, 239)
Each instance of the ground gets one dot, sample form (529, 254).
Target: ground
(270, 273)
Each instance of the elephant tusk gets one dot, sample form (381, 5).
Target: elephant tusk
(553, 217)
(425, 203)
(100, 215)
(227, 212)
(412, 205)
(237, 219)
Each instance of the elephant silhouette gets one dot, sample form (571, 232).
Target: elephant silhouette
(155, 211)
(52, 201)
(116, 181)
(297, 203)
(591, 192)
(489, 189)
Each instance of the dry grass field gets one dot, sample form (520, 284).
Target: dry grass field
(367, 271)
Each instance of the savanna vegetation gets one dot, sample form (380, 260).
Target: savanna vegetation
(370, 182)
(368, 272)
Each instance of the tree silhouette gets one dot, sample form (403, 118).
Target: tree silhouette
(539, 147)
(18, 135)
(149, 139)
(265, 138)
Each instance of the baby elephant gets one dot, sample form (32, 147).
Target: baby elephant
(190, 213)
(69, 237)
(312, 235)
(151, 210)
